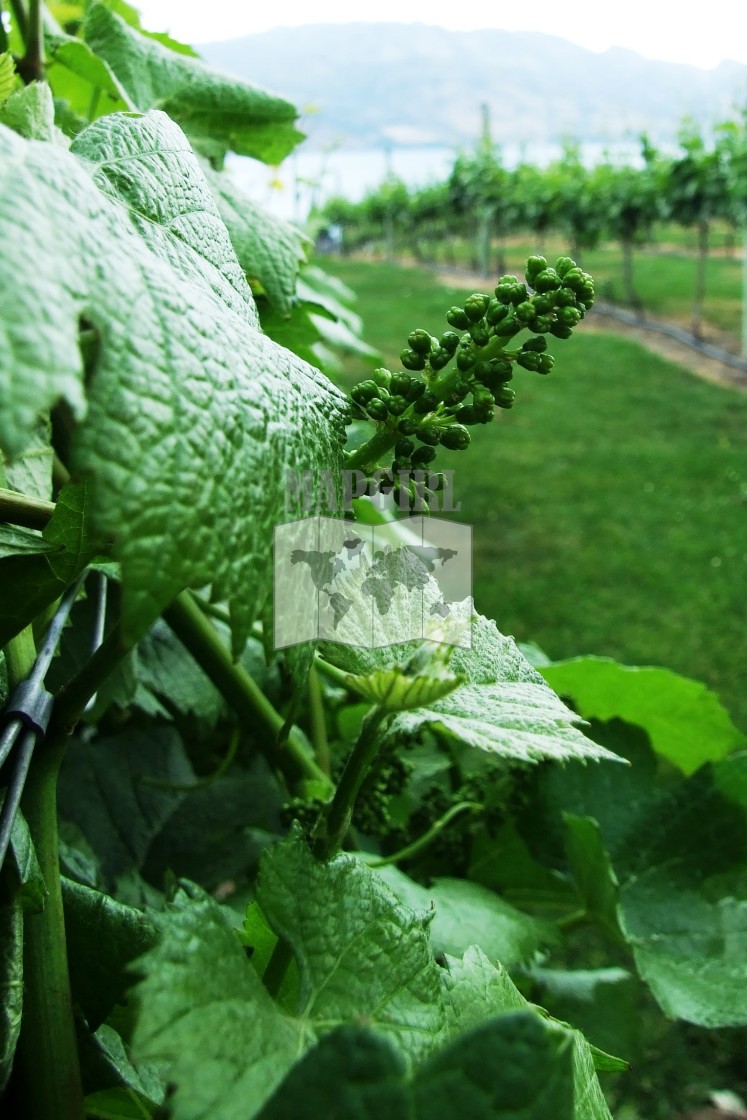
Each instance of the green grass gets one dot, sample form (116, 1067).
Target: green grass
(609, 507)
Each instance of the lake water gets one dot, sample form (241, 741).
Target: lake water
(307, 178)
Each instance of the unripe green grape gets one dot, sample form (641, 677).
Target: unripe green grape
(397, 405)
(439, 358)
(504, 397)
(525, 312)
(537, 344)
(428, 432)
(545, 363)
(419, 341)
(476, 306)
(547, 281)
(564, 264)
(422, 456)
(465, 359)
(382, 377)
(457, 317)
(535, 265)
(411, 360)
(449, 341)
(427, 402)
(456, 437)
(377, 410)
(404, 448)
(560, 330)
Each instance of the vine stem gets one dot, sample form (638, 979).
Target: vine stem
(428, 837)
(19, 509)
(240, 691)
(31, 66)
(369, 453)
(335, 822)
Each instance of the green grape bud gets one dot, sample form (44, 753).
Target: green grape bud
(545, 303)
(481, 396)
(538, 345)
(411, 360)
(504, 397)
(547, 281)
(527, 359)
(400, 384)
(382, 377)
(397, 405)
(422, 456)
(406, 425)
(458, 392)
(364, 391)
(465, 359)
(480, 336)
(437, 483)
(565, 297)
(419, 341)
(525, 312)
(509, 278)
(466, 415)
(449, 341)
(542, 324)
(545, 362)
(456, 437)
(404, 448)
(476, 306)
(401, 465)
(427, 402)
(509, 326)
(534, 266)
(428, 432)
(415, 389)
(496, 311)
(485, 411)
(519, 294)
(560, 330)
(574, 279)
(503, 291)
(439, 358)
(564, 264)
(497, 369)
(377, 410)
(569, 316)
(457, 317)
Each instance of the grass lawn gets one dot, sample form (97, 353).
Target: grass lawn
(609, 507)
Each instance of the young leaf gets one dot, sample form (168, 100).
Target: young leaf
(399, 690)
(193, 416)
(7, 76)
(684, 720)
(216, 111)
(23, 542)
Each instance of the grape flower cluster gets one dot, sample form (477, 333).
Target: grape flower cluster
(457, 380)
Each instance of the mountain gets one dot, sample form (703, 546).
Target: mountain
(379, 84)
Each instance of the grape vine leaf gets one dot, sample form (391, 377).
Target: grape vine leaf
(685, 721)
(504, 706)
(218, 112)
(679, 854)
(269, 250)
(23, 542)
(7, 76)
(11, 977)
(30, 112)
(193, 416)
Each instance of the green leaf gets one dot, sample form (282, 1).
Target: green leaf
(103, 937)
(504, 707)
(373, 957)
(684, 720)
(30, 112)
(23, 542)
(31, 889)
(32, 473)
(106, 1066)
(592, 871)
(117, 1104)
(7, 76)
(102, 791)
(11, 977)
(216, 111)
(193, 417)
(80, 77)
(601, 1002)
(169, 680)
(466, 914)
(400, 689)
(30, 584)
(269, 250)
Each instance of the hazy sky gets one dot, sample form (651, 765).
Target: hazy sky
(655, 28)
